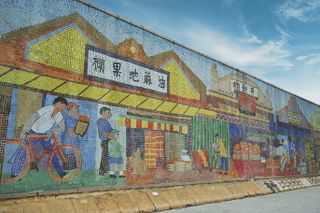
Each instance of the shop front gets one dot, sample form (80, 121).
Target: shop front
(154, 147)
(250, 150)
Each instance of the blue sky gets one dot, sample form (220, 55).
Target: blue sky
(275, 40)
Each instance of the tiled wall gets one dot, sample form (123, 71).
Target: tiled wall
(179, 116)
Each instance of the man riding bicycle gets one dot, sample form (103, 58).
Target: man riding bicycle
(41, 123)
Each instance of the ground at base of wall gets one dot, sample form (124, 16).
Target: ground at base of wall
(37, 181)
(155, 199)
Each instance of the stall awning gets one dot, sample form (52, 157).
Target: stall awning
(130, 122)
(36, 81)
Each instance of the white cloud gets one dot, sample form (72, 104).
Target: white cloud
(306, 11)
(301, 58)
(311, 59)
(249, 37)
(260, 56)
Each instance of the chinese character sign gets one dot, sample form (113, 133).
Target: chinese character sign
(106, 66)
(243, 87)
(294, 118)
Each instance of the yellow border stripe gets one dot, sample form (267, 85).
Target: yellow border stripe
(71, 88)
(94, 92)
(166, 106)
(3, 69)
(114, 96)
(151, 103)
(207, 112)
(17, 77)
(192, 111)
(179, 109)
(45, 83)
(133, 100)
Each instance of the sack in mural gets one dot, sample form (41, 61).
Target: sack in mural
(82, 125)
(200, 158)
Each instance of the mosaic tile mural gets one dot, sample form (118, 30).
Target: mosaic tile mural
(89, 100)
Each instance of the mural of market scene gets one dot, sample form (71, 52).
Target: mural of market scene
(88, 100)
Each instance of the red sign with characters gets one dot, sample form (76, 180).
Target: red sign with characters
(247, 103)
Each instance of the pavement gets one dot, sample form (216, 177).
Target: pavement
(297, 201)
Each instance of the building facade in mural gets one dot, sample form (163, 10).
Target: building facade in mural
(177, 116)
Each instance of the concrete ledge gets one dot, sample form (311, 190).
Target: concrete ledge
(106, 204)
(172, 198)
(220, 193)
(253, 185)
(240, 189)
(250, 188)
(59, 205)
(142, 201)
(158, 199)
(183, 196)
(123, 200)
(235, 193)
(153, 199)
(85, 204)
(263, 188)
(200, 194)
(36, 207)
(186, 197)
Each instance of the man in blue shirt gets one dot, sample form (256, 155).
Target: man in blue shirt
(104, 130)
(69, 135)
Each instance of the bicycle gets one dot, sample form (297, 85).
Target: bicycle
(55, 148)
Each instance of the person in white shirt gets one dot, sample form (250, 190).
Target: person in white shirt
(42, 122)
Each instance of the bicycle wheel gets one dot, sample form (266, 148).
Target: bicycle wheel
(17, 161)
(56, 164)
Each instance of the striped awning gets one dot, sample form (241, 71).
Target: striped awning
(152, 125)
(40, 82)
(44, 83)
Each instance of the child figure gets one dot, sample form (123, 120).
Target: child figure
(115, 155)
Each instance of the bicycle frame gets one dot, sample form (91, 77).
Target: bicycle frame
(55, 143)
(52, 150)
